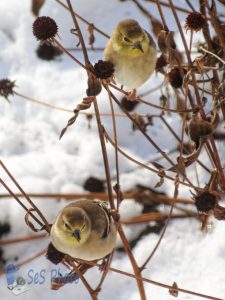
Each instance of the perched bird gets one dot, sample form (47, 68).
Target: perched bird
(132, 51)
(84, 229)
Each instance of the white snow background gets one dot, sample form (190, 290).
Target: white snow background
(30, 148)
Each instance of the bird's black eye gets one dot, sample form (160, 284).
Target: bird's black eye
(67, 226)
(126, 39)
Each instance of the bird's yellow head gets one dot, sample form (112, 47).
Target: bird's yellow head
(130, 39)
(74, 225)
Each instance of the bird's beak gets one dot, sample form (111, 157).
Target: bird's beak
(76, 234)
(138, 46)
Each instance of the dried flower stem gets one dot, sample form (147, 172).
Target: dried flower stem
(153, 282)
(106, 164)
(101, 196)
(143, 164)
(164, 228)
(213, 54)
(116, 147)
(149, 138)
(22, 239)
(28, 199)
(148, 217)
(61, 108)
(84, 20)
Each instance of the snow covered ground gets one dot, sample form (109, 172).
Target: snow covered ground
(30, 148)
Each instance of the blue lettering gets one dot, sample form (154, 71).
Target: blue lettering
(42, 276)
(53, 274)
(30, 276)
(36, 276)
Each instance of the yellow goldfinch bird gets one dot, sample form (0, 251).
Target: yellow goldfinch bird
(132, 51)
(84, 229)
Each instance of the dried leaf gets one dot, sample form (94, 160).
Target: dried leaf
(166, 41)
(167, 45)
(161, 174)
(174, 57)
(86, 103)
(173, 290)
(219, 212)
(157, 26)
(94, 86)
(118, 191)
(161, 63)
(91, 37)
(188, 160)
(157, 165)
(36, 6)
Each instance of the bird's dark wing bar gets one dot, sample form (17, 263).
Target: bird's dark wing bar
(151, 41)
(104, 207)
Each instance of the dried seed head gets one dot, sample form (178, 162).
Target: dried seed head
(5, 228)
(175, 78)
(6, 88)
(205, 201)
(54, 255)
(94, 185)
(195, 21)
(160, 63)
(128, 104)
(44, 28)
(103, 69)
(139, 121)
(48, 51)
(198, 129)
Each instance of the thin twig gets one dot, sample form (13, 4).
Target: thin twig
(22, 239)
(164, 228)
(116, 150)
(84, 20)
(28, 199)
(213, 54)
(142, 164)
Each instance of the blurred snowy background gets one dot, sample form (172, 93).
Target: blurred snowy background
(30, 148)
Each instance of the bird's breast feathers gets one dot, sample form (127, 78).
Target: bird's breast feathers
(132, 70)
(94, 248)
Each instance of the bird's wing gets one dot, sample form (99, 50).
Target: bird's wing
(104, 206)
(98, 213)
(151, 41)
